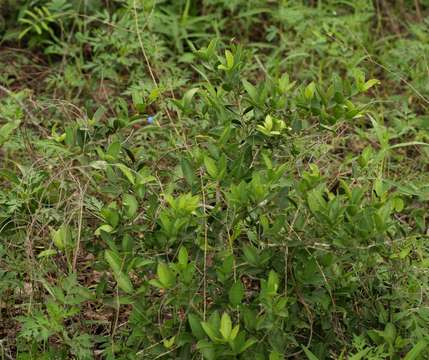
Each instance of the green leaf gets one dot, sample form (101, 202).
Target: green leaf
(390, 333)
(268, 123)
(274, 355)
(130, 204)
(309, 91)
(415, 352)
(359, 77)
(127, 172)
(154, 95)
(62, 237)
(168, 343)
(106, 228)
(211, 166)
(114, 149)
(47, 253)
(188, 172)
(229, 59)
(113, 260)
(234, 333)
(251, 90)
(211, 333)
(124, 282)
(369, 84)
(187, 98)
(7, 130)
(273, 282)
(111, 215)
(166, 276)
(138, 101)
(99, 164)
(99, 114)
(207, 349)
(249, 342)
(10, 176)
(360, 355)
(196, 328)
(128, 243)
(309, 354)
(115, 263)
(236, 294)
(285, 84)
(225, 326)
(156, 283)
(183, 256)
(251, 254)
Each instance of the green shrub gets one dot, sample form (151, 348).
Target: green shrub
(168, 192)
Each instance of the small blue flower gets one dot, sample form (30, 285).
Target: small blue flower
(150, 119)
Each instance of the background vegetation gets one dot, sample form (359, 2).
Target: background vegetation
(217, 179)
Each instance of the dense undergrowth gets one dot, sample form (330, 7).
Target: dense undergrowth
(217, 179)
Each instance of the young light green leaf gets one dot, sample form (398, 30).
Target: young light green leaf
(62, 237)
(273, 282)
(268, 123)
(225, 326)
(46, 253)
(168, 343)
(154, 94)
(183, 256)
(229, 59)
(369, 84)
(309, 91)
(285, 84)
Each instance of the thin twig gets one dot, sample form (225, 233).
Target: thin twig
(205, 248)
